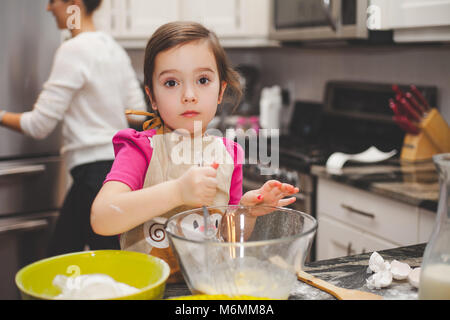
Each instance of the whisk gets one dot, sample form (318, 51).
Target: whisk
(216, 255)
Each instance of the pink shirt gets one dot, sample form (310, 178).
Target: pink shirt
(133, 154)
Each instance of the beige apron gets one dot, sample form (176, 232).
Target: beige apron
(173, 154)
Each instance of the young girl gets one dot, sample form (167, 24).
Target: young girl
(186, 74)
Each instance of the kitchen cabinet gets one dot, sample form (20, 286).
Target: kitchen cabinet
(352, 221)
(414, 20)
(221, 16)
(236, 22)
(132, 22)
(338, 239)
(427, 220)
(103, 17)
(143, 17)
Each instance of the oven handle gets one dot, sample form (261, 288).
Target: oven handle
(326, 6)
(300, 196)
(252, 185)
(22, 170)
(31, 225)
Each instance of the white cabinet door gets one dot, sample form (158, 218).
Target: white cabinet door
(427, 220)
(106, 17)
(419, 13)
(383, 217)
(223, 17)
(400, 14)
(335, 239)
(256, 17)
(237, 22)
(143, 17)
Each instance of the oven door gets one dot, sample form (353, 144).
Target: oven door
(23, 240)
(31, 193)
(31, 185)
(304, 202)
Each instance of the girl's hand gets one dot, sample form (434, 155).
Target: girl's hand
(198, 186)
(272, 194)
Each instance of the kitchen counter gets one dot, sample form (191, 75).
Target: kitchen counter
(415, 184)
(347, 272)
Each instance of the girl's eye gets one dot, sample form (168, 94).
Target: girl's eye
(170, 83)
(203, 80)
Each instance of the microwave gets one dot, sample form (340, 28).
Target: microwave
(303, 20)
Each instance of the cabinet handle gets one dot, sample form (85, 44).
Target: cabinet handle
(300, 196)
(24, 226)
(238, 14)
(22, 170)
(326, 6)
(128, 11)
(113, 15)
(365, 214)
(349, 249)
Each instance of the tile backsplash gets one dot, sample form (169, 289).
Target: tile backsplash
(305, 71)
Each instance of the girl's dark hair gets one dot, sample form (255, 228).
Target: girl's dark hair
(91, 5)
(181, 32)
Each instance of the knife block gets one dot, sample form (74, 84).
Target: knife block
(434, 138)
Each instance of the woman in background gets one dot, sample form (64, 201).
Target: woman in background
(91, 85)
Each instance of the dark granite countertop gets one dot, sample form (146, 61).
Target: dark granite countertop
(412, 183)
(347, 272)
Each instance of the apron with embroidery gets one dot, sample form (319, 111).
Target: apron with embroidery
(173, 154)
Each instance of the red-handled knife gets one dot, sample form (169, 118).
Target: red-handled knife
(404, 123)
(397, 90)
(394, 107)
(415, 103)
(404, 127)
(405, 108)
(409, 110)
(419, 96)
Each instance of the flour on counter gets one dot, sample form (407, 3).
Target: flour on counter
(91, 287)
(303, 291)
(401, 291)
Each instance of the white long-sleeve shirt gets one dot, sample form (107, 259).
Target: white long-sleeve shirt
(91, 84)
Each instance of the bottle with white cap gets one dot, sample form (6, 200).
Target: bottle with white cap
(270, 106)
(435, 269)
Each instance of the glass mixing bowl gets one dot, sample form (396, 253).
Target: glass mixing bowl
(242, 251)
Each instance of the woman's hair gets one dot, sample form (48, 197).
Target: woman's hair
(178, 33)
(91, 5)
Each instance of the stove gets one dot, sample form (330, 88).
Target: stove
(353, 117)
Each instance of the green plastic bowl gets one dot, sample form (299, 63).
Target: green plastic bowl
(144, 272)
